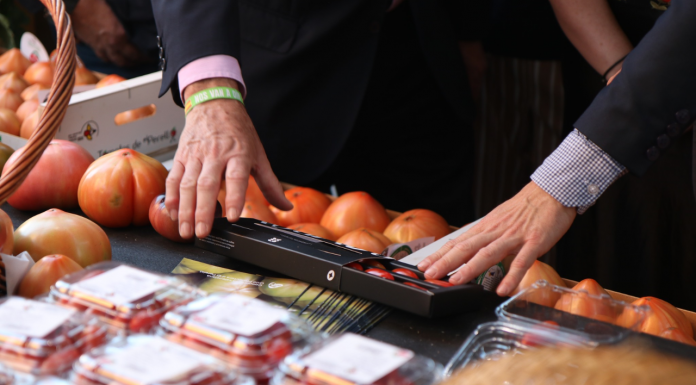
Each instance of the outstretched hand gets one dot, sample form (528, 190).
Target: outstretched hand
(218, 139)
(526, 226)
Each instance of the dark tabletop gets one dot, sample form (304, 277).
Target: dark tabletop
(143, 247)
(437, 338)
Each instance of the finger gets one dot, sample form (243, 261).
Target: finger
(460, 253)
(236, 183)
(522, 262)
(270, 186)
(187, 197)
(206, 196)
(436, 256)
(171, 200)
(488, 256)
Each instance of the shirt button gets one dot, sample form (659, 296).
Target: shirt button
(653, 153)
(662, 141)
(683, 117)
(592, 189)
(673, 129)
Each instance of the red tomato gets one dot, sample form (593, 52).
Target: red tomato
(663, 317)
(314, 229)
(163, 223)
(118, 188)
(109, 80)
(380, 273)
(439, 282)
(257, 210)
(83, 76)
(144, 321)
(352, 211)
(309, 206)
(414, 285)
(45, 273)
(365, 239)
(586, 306)
(356, 266)
(6, 234)
(14, 61)
(57, 232)
(540, 270)
(63, 158)
(373, 263)
(41, 73)
(415, 224)
(676, 334)
(405, 272)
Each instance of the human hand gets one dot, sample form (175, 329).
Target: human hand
(218, 138)
(96, 25)
(526, 226)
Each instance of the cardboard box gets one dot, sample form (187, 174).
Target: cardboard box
(89, 120)
(323, 262)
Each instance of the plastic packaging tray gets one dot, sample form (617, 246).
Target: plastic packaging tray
(529, 320)
(128, 299)
(249, 335)
(44, 339)
(352, 359)
(150, 360)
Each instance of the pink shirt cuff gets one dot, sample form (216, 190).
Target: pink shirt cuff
(215, 66)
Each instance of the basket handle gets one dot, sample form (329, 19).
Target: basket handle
(57, 104)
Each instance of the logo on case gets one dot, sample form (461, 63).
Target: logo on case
(274, 240)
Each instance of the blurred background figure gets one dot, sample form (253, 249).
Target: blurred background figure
(113, 36)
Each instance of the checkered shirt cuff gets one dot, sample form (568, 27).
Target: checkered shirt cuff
(578, 172)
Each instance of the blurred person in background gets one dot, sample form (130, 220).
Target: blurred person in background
(113, 36)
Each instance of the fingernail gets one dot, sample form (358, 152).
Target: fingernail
(456, 279)
(502, 290)
(185, 230)
(431, 272)
(231, 213)
(174, 214)
(201, 228)
(424, 265)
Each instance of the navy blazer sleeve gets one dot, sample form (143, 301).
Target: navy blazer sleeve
(193, 29)
(653, 99)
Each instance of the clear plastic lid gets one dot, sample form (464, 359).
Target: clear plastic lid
(42, 338)
(350, 359)
(128, 299)
(533, 318)
(246, 333)
(150, 360)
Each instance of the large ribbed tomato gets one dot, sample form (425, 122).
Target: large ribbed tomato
(586, 306)
(53, 182)
(352, 211)
(365, 239)
(119, 187)
(258, 210)
(314, 229)
(415, 224)
(6, 234)
(45, 273)
(538, 271)
(57, 232)
(663, 317)
(309, 206)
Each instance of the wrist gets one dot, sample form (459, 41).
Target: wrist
(209, 83)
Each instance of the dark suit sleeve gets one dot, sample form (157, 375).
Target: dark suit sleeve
(470, 18)
(193, 29)
(653, 100)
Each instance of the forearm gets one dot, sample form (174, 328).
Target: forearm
(592, 28)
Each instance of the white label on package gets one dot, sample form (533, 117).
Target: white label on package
(157, 361)
(121, 285)
(358, 359)
(31, 318)
(240, 315)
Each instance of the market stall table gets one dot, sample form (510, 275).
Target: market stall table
(437, 338)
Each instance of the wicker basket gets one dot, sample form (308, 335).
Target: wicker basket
(53, 113)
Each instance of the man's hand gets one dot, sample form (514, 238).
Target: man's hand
(96, 25)
(218, 139)
(526, 226)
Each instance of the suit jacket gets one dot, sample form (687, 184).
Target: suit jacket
(652, 101)
(306, 64)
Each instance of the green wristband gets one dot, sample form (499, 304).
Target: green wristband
(212, 94)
